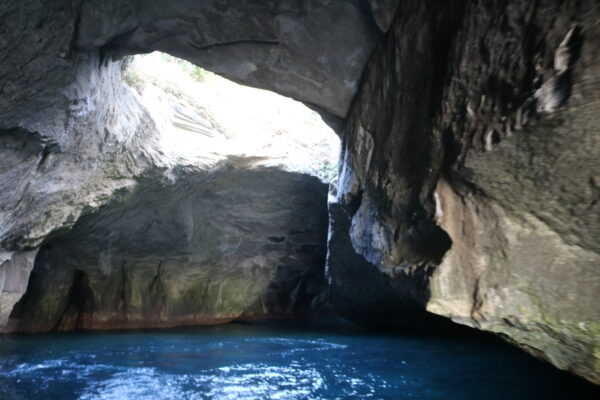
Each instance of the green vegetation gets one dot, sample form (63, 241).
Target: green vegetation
(197, 73)
(130, 76)
(137, 81)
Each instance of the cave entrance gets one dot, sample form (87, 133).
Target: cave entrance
(254, 122)
(228, 220)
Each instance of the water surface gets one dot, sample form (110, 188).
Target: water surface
(273, 361)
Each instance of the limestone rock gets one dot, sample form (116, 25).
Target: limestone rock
(154, 233)
(383, 12)
(52, 173)
(313, 51)
(73, 135)
(58, 88)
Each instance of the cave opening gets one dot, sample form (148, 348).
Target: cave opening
(236, 228)
(250, 122)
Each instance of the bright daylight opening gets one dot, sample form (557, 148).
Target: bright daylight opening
(214, 115)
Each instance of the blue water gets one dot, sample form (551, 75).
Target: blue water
(273, 361)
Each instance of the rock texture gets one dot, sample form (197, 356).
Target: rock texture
(470, 177)
(66, 164)
(313, 51)
(211, 247)
(14, 275)
(72, 135)
(172, 235)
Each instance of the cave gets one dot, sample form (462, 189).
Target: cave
(234, 227)
(466, 190)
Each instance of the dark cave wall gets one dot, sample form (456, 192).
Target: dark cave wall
(469, 177)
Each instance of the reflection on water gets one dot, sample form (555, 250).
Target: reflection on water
(267, 361)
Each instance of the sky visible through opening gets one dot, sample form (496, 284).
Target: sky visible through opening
(251, 122)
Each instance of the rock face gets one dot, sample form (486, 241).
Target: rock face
(53, 173)
(208, 248)
(470, 177)
(138, 231)
(14, 269)
(313, 51)
(83, 136)
(72, 135)
(178, 235)
(184, 237)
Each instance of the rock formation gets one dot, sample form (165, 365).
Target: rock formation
(470, 177)
(206, 230)
(207, 248)
(468, 183)
(83, 136)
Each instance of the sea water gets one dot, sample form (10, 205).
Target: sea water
(274, 360)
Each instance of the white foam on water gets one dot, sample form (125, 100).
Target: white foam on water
(248, 381)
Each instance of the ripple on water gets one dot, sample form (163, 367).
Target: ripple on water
(230, 363)
(242, 381)
(250, 381)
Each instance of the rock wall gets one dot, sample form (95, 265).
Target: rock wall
(73, 136)
(56, 167)
(137, 230)
(469, 177)
(14, 276)
(207, 248)
(313, 51)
